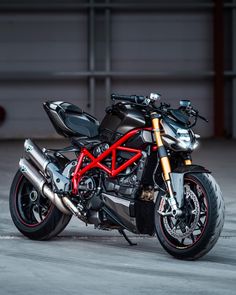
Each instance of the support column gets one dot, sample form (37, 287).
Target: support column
(91, 56)
(108, 53)
(234, 70)
(219, 68)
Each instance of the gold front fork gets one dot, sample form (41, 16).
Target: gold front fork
(165, 162)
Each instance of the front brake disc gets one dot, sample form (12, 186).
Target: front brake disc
(177, 227)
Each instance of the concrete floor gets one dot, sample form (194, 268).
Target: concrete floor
(87, 261)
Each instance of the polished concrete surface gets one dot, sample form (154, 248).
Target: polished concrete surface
(87, 261)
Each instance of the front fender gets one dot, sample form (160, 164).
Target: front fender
(177, 180)
(191, 169)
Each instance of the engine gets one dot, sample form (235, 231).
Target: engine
(130, 183)
(127, 184)
(124, 185)
(97, 190)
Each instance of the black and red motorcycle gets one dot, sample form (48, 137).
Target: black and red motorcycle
(131, 172)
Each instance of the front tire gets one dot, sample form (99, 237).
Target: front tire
(196, 232)
(35, 216)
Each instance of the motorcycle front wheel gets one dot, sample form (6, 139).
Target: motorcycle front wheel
(34, 215)
(196, 231)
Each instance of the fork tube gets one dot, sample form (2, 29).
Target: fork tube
(165, 163)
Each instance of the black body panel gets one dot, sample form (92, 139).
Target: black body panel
(144, 213)
(120, 119)
(141, 140)
(180, 116)
(191, 169)
(119, 209)
(70, 121)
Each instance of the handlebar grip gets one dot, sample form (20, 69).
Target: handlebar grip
(130, 98)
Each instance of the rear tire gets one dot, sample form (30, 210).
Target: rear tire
(208, 226)
(35, 216)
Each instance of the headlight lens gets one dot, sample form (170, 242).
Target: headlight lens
(186, 140)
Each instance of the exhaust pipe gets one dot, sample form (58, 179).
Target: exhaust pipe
(61, 182)
(36, 155)
(44, 164)
(39, 182)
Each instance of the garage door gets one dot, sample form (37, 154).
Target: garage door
(41, 46)
(169, 44)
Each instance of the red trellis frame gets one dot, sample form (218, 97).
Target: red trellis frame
(96, 162)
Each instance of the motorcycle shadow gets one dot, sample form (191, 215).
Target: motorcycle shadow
(143, 242)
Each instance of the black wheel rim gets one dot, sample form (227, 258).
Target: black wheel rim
(31, 207)
(179, 224)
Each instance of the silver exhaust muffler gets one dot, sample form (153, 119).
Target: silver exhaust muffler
(44, 164)
(61, 182)
(40, 184)
(36, 155)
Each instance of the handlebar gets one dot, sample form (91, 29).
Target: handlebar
(131, 98)
(195, 113)
(162, 109)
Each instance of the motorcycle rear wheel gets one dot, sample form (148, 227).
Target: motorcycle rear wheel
(194, 234)
(35, 216)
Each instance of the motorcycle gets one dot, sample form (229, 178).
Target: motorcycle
(132, 172)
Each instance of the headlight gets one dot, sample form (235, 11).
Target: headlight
(186, 139)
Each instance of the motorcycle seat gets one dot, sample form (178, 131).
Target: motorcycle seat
(71, 121)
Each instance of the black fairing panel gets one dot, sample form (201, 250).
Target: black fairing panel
(180, 116)
(69, 120)
(191, 169)
(119, 119)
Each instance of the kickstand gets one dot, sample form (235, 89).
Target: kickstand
(121, 231)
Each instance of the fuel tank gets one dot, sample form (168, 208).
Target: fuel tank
(119, 119)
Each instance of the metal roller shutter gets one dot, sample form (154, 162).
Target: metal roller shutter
(39, 44)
